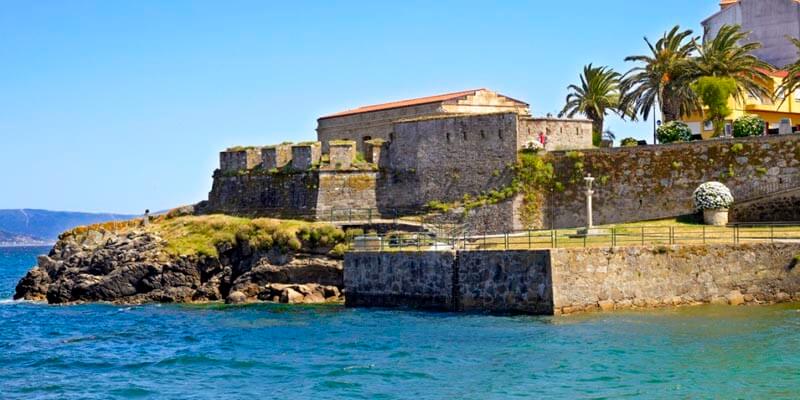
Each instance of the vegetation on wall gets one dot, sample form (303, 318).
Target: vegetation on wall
(534, 175)
(629, 142)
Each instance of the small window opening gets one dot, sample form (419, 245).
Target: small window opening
(483, 134)
(465, 135)
(500, 133)
(448, 137)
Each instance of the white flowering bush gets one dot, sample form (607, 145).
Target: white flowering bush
(712, 196)
(534, 145)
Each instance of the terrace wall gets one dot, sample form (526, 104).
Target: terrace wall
(652, 182)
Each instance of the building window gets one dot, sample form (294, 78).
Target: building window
(500, 133)
(797, 95)
(465, 135)
(448, 137)
(483, 135)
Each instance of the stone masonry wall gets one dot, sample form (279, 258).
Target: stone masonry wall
(304, 156)
(372, 125)
(236, 160)
(783, 207)
(558, 133)
(276, 156)
(618, 278)
(445, 158)
(343, 190)
(505, 281)
(262, 193)
(642, 183)
(415, 279)
(563, 281)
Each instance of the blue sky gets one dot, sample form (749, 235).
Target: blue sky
(118, 106)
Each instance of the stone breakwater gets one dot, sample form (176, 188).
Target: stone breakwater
(564, 281)
(135, 267)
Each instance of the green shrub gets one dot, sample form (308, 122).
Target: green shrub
(737, 148)
(674, 131)
(629, 142)
(748, 125)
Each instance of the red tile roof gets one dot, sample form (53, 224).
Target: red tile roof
(408, 103)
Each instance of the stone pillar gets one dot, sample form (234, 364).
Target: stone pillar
(589, 192)
(342, 153)
(374, 149)
(306, 155)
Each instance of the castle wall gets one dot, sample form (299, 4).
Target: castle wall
(558, 133)
(344, 190)
(264, 193)
(276, 156)
(374, 125)
(642, 183)
(445, 158)
(235, 160)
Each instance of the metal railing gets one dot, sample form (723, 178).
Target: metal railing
(600, 237)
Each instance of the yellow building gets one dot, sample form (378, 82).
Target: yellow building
(773, 112)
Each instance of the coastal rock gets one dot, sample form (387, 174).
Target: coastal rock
(236, 297)
(135, 267)
(735, 298)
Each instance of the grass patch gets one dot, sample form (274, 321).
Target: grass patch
(203, 235)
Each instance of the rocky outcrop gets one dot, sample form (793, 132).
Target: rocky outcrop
(136, 268)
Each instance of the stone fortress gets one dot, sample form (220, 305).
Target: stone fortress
(394, 159)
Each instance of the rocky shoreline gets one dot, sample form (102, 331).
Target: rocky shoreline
(134, 267)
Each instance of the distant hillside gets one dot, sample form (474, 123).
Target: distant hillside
(48, 224)
(13, 239)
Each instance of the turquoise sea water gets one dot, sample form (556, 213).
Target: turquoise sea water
(264, 351)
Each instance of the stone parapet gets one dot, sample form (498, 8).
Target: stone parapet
(276, 156)
(238, 159)
(342, 153)
(306, 155)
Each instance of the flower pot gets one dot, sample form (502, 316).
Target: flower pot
(718, 217)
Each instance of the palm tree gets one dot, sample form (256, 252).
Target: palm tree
(791, 83)
(724, 57)
(598, 93)
(664, 77)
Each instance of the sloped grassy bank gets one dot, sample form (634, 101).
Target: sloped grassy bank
(191, 259)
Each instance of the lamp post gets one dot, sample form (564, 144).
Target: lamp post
(589, 192)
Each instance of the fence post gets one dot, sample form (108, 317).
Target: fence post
(369, 215)
(552, 238)
(506, 240)
(704, 234)
(585, 235)
(529, 239)
(642, 236)
(671, 235)
(613, 237)
(331, 215)
(772, 234)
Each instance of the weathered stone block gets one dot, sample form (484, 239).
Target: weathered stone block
(276, 156)
(238, 159)
(306, 155)
(342, 153)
